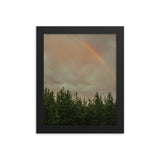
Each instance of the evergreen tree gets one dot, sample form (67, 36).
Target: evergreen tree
(62, 109)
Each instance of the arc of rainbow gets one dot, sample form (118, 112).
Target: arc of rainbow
(98, 56)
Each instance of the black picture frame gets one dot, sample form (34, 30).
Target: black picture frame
(119, 31)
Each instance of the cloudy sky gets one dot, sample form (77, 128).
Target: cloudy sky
(83, 63)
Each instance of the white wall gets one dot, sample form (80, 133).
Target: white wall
(17, 83)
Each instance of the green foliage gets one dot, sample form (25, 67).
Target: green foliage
(64, 110)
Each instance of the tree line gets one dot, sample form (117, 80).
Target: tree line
(63, 109)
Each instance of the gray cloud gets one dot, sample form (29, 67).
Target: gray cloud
(67, 63)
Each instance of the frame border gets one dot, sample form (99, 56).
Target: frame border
(119, 31)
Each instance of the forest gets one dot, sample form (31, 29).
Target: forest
(64, 109)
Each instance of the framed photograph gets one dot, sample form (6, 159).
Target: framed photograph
(80, 79)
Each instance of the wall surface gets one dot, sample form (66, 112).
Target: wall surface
(18, 139)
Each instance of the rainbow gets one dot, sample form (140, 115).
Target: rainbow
(98, 56)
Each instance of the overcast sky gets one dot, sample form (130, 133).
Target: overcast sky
(69, 64)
